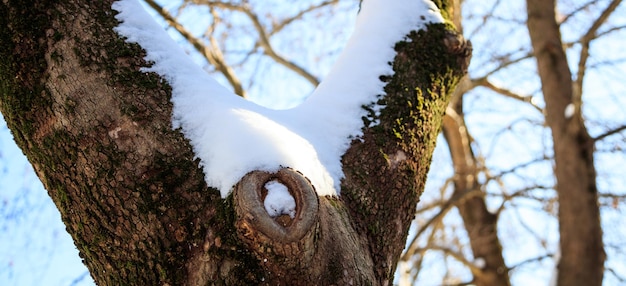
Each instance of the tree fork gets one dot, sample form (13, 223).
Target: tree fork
(98, 132)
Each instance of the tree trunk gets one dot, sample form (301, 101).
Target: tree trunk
(98, 133)
(582, 253)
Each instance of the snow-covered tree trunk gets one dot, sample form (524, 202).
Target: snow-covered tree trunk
(98, 130)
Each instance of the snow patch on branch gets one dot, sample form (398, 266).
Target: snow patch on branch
(569, 111)
(232, 136)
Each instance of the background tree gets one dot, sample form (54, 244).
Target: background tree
(507, 184)
(98, 133)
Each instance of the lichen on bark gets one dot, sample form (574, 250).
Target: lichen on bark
(387, 168)
(98, 132)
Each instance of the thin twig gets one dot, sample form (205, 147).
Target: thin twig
(278, 27)
(570, 15)
(609, 133)
(531, 260)
(584, 52)
(484, 82)
(454, 200)
(264, 40)
(214, 55)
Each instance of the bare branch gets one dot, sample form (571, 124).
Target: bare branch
(484, 82)
(487, 16)
(603, 17)
(505, 61)
(570, 15)
(521, 193)
(612, 196)
(278, 27)
(264, 40)
(611, 30)
(516, 168)
(435, 204)
(584, 53)
(454, 200)
(456, 255)
(596, 36)
(542, 241)
(617, 276)
(213, 55)
(609, 133)
(531, 260)
(611, 200)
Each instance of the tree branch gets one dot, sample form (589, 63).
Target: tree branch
(609, 133)
(369, 192)
(505, 61)
(615, 274)
(531, 260)
(570, 15)
(608, 31)
(584, 53)
(264, 40)
(485, 19)
(213, 55)
(453, 201)
(484, 82)
(278, 27)
(515, 168)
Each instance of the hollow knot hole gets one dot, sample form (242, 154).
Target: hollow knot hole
(279, 202)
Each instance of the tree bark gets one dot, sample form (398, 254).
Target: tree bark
(98, 133)
(582, 253)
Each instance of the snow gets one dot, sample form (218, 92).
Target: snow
(278, 200)
(232, 136)
(569, 111)
(480, 262)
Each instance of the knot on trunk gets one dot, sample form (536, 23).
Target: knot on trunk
(282, 241)
(457, 45)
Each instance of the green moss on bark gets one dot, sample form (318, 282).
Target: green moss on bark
(171, 194)
(421, 86)
(386, 172)
(22, 64)
(93, 202)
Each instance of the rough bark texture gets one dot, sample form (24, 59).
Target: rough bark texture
(387, 170)
(582, 254)
(98, 133)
